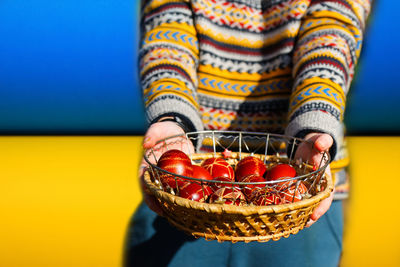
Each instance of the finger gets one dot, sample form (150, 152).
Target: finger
(142, 167)
(310, 222)
(311, 150)
(147, 141)
(323, 142)
(149, 199)
(322, 208)
(159, 131)
(318, 159)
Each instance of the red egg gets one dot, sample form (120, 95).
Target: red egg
(194, 191)
(201, 173)
(280, 171)
(292, 191)
(230, 196)
(249, 166)
(249, 188)
(218, 167)
(215, 186)
(174, 161)
(265, 196)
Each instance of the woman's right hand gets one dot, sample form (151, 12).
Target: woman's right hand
(156, 132)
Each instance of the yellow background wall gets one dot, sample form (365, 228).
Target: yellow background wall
(67, 201)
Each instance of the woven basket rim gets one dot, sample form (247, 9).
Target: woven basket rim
(233, 209)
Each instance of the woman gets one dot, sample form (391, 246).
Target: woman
(272, 66)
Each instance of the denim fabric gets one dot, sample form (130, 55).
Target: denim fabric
(152, 241)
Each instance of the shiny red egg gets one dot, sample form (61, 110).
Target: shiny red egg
(177, 162)
(292, 191)
(248, 189)
(195, 191)
(265, 196)
(249, 166)
(280, 171)
(230, 196)
(218, 167)
(201, 173)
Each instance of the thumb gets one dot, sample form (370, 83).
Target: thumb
(323, 142)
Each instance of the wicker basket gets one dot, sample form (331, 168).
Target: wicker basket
(233, 223)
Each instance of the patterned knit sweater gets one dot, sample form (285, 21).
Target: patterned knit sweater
(278, 66)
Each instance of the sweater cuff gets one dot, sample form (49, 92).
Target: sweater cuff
(317, 121)
(171, 105)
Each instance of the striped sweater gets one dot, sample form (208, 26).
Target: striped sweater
(278, 66)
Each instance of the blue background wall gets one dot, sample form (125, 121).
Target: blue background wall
(70, 67)
(374, 100)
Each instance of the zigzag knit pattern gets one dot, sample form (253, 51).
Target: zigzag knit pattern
(282, 66)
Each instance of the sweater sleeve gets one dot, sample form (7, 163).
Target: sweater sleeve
(168, 61)
(324, 59)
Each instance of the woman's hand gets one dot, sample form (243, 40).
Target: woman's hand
(322, 142)
(156, 132)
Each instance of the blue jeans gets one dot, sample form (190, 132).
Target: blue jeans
(152, 241)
